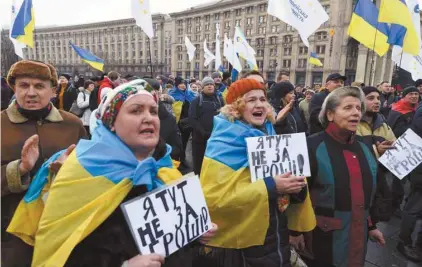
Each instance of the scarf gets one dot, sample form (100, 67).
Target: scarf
(37, 114)
(403, 107)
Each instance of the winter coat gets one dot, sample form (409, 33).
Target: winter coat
(57, 131)
(314, 109)
(201, 114)
(106, 83)
(416, 175)
(294, 123)
(400, 117)
(342, 185)
(69, 96)
(170, 133)
(387, 101)
(83, 103)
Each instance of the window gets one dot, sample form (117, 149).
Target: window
(179, 65)
(227, 14)
(260, 64)
(179, 56)
(320, 49)
(273, 63)
(197, 65)
(261, 30)
(263, 8)
(260, 41)
(320, 36)
(303, 50)
(180, 40)
(179, 48)
(260, 52)
(180, 31)
(302, 63)
(274, 29)
(198, 37)
(273, 40)
(249, 9)
(207, 27)
(273, 52)
(207, 18)
(237, 22)
(227, 24)
(287, 63)
(287, 39)
(198, 28)
(198, 20)
(249, 21)
(248, 32)
(189, 29)
(262, 19)
(287, 51)
(217, 16)
(207, 36)
(289, 28)
(188, 65)
(274, 19)
(238, 12)
(189, 21)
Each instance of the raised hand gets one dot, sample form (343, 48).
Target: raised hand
(29, 155)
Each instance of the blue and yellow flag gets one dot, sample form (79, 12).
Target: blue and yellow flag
(56, 215)
(365, 28)
(88, 57)
(239, 207)
(314, 60)
(403, 32)
(24, 24)
(179, 98)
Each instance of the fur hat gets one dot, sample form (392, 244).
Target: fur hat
(241, 87)
(32, 69)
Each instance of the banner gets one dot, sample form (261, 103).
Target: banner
(274, 155)
(406, 155)
(167, 219)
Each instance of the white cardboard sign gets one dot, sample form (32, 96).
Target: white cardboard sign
(276, 154)
(169, 218)
(406, 155)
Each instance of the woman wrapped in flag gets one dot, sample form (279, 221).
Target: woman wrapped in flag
(252, 217)
(75, 220)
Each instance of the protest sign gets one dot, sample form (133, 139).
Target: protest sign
(406, 155)
(169, 218)
(274, 155)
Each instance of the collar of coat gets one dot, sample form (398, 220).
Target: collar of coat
(16, 117)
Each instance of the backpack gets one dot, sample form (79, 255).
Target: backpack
(75, 109)
(201, 100)
(93, 104)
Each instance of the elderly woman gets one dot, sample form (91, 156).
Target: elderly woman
(251, 215)
(81, 223)
(342, 184)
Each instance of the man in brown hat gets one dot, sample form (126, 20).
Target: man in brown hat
(32, 131)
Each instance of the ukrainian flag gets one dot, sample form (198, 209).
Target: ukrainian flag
(403, 32)
(239, 207)
(180, 97)
(89, 58)
(23, 27)
(364, 26)
(56, 215)
(314, 60)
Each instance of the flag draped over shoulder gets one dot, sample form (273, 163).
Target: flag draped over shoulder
(88, 57)
(365, 28)
(239, 207)
(24, 24)
(402, 32)
(91, 184)
(179, 98)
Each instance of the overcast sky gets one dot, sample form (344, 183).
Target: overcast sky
(65, 12)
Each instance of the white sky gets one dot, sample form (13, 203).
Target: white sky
(65, 12)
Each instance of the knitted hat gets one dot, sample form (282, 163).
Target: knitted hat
(216, 75)
(281, 89)
(178, 80)
(410, 89)
(207, 81)
(32, 69)
(241, 87)
(418, 82)
(370, 89)
(111, 104)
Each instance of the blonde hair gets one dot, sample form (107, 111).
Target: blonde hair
(235, 110)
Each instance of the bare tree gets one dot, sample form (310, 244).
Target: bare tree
(8, 56)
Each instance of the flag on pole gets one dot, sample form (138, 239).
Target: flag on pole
(88, 57)
(243, 49)
(406, 61)
(141, 13)
(190, 47)
(209, 57)
(18, 46)
(306, 16)
(218, 62)
(314, 60)
(365, 28)
(23, 25)
(230, 54)
(403, 32)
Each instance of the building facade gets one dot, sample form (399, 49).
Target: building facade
(126, 49)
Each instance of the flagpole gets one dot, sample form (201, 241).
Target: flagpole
(373, 55)
(150, 59)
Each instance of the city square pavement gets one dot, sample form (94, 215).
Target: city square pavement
(376, 256)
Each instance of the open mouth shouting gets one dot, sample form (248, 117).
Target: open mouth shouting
(147, 132)
(258, 115)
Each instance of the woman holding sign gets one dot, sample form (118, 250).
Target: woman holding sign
(81, 223)
(342, 184)
(251, 215)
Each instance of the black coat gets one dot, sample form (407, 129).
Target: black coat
(416, 174)
(314, 108)
(112, 242)
(386, 101)
(399, 122)
(170, 133)
(69, 96)
(294, 123)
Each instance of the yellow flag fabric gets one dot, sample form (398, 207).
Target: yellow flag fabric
(177, 109)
